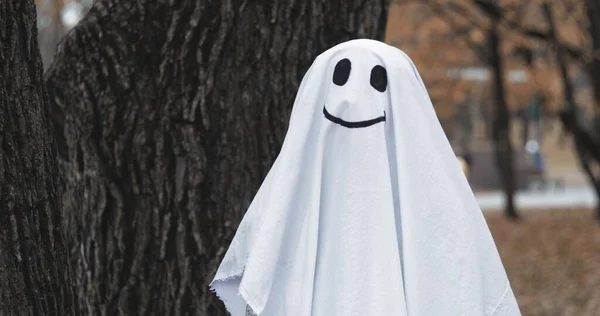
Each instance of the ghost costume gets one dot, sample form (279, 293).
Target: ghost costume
(365, 211)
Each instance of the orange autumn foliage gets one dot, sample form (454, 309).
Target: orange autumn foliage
(446, 34)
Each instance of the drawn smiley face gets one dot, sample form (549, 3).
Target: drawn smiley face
(378, 82)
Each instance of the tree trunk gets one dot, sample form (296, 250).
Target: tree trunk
(586, 146)
(525, 120)
(171, 116)
(34, 274)
(501, 124)
(593, 10)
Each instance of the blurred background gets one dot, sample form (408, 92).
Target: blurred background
(516, 87)
(55, 18)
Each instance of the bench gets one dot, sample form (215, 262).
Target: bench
(484, 172)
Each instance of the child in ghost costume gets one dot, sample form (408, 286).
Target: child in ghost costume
(366, 210)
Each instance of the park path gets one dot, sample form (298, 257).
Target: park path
(579, 197)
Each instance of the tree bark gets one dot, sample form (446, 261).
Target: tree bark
(34, 270)
(170, 113)
(501, 124)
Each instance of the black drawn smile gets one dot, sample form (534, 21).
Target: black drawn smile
(359, 124)
(377, 80)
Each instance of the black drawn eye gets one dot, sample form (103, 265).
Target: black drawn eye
(379, 78)
(342, 72)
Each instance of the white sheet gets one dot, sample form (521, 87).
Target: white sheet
(364, 220)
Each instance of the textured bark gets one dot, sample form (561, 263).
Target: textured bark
(170, 114)
(34, 270)
(501, 124)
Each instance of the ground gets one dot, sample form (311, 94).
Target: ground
(553, 261)
(561, 160)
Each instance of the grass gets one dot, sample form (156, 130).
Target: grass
(553, 261)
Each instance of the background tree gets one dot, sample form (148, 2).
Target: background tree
(593, 30)
(169, 114)
(576, 45)
(450, 34)
(501, 123)
(453, 37)
(34, 270)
